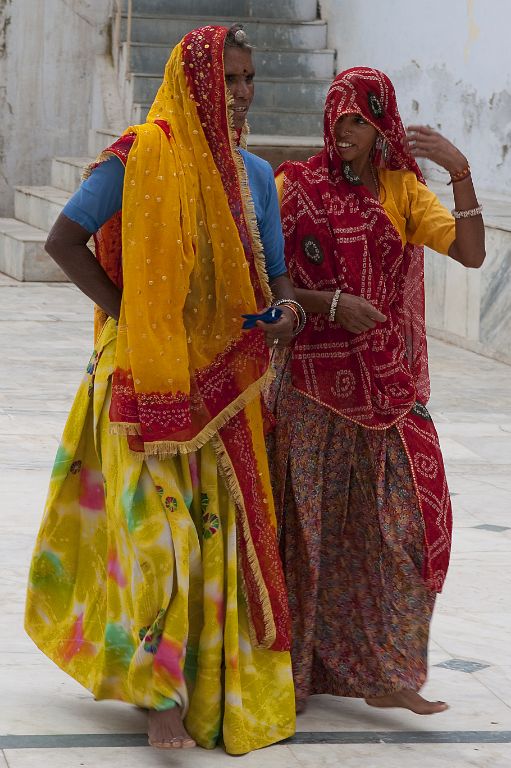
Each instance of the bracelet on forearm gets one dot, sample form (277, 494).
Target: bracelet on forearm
(459, 175)
(297, 308)
(467, 214)
(333, 305)
(295, 313)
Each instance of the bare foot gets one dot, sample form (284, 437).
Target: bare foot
(166, 730)
(407, 699)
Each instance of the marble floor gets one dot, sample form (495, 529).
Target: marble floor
(48, 719)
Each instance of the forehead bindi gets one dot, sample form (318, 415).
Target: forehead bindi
(238, 62)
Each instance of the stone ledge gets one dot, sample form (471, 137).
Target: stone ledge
(22, 253)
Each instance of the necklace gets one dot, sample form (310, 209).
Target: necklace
(350, 175)
(353, 178)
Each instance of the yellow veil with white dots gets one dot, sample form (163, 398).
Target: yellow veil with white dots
(192, 263)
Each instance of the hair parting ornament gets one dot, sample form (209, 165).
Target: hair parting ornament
(237, 37)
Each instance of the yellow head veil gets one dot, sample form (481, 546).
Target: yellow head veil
(192, 263)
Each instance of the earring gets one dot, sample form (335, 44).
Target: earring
(380, 151)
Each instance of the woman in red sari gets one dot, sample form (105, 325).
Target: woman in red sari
(358, 479)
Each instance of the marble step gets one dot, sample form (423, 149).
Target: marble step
(273, 121)
(278, 122)
(262, 33)
(305, 10)
(277, 149)
(39, 206)
(298, 94)
(66, 172)
(150, 58)
(273, 148)
(22, 253)
(100, 138)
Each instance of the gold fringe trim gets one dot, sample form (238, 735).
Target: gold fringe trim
(124, 428)
(231, 481)
(164, 449)
(248, 206)
(104, 155)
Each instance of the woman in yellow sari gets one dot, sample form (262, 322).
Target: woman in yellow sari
(155, 578)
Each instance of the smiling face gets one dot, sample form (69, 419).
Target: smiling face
(239, 79)
(354, 138)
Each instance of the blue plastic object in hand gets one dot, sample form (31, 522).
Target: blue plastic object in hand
(270, 315)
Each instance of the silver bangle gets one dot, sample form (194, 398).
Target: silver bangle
(301, 312)
(467, 214)
(333, 305)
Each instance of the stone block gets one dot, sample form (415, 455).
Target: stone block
(305, 10)
(39, 206)
(66, 172)
(151, 58)
(22, 253)
(262, 33)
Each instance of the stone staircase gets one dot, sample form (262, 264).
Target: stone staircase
(22, 239)
(293, 66)
(293, 71)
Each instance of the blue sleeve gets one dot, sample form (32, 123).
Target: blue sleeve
(98, 197)
(267, 210)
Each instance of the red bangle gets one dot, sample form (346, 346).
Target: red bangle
(295, 313)
(459, 175)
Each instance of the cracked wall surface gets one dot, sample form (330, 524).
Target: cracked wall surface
(449, 62)
(47, 54)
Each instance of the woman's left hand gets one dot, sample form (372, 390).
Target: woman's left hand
(423, 141)
(279, 334)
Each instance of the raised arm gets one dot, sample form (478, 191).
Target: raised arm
(468, 247)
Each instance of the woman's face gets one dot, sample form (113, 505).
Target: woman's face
(354, 137)
(239, 79)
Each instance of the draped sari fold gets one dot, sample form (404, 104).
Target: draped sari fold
(156, 577)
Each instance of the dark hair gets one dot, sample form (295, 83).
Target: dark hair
(237, 38)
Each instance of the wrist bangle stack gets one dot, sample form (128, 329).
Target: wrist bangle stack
(295, 313)
(297, 310)
(467, 214)
(459, 175)
(333, 305)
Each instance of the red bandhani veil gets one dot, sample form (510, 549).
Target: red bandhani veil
(338, 236)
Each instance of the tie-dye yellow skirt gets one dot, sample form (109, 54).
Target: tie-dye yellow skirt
(134, 582)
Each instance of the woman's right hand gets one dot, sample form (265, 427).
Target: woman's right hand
(356, 314)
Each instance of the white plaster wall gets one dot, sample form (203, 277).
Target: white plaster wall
(46, 79)
(450, 61)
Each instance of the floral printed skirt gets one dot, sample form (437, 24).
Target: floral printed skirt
(134, 589)
(352, 545)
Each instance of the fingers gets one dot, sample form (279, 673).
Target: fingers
(375, 314)
(425, 130)
(357, 315)
(359, 326)
(277, 334)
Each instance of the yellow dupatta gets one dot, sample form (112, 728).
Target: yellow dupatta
(192, 264)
